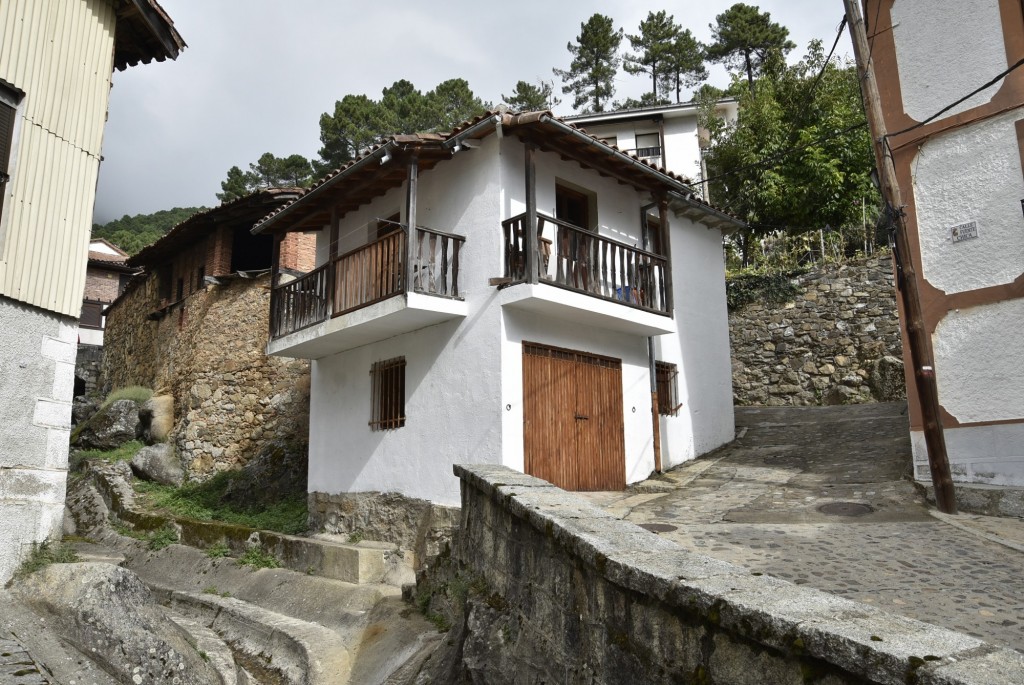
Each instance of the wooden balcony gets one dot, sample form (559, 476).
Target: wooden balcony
(585, 262)
(364, 277)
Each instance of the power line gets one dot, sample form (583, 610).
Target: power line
(839, 34)
(945, 109)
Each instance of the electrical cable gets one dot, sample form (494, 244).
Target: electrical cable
(839, 34)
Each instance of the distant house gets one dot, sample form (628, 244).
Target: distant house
(665, 135)
(56, 60)
(960, 173)
(106, 276)
(194, 325)
(489, 296)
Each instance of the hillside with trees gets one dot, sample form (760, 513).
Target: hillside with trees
(132, 233)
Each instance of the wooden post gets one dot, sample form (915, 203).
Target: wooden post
(917, 336)
(530, 239)
(275, 268)
(666, 246)
(410, 220)
(332, 252)
(652, 366)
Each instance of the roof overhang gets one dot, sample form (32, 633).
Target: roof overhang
(144, 33)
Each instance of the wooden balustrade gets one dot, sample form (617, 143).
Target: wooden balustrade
(368, 274)
(584, 261)
(300, 303)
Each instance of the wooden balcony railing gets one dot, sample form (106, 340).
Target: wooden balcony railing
(366, 275)
(300, 303)
(581, 260)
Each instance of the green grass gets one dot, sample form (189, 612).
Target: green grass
(158, 539)
(43, 555)
(218, 551)
(122, 453)
(133, 392)
(202, 501)
(257, 558)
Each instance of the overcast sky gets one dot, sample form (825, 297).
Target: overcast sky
(257, 75)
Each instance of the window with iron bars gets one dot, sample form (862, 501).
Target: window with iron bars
(667, 376)
(388, 399)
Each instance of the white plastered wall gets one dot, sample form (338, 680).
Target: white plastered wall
(37, 375)
(971, 174)
(700, 349)
(452, 369)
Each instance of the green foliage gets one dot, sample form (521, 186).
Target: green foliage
(218, 551)
(683, 64)
(135, 393)
(269, 171)
(122, 453)
(128, 531)
(768, 288)
(203, 502)
(796, 159)
(132, 233)
(256, 558)
(355, 537)
(530, 98)
(590, 78)
(744, 38)
(664, 53)
(158, 539)
(359, 122)
(43, 555)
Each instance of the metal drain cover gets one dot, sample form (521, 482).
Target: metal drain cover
(845, 509)
(659, 527)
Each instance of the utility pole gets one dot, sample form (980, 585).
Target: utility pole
(917, 336)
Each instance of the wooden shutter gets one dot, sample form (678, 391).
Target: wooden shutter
(6, 140)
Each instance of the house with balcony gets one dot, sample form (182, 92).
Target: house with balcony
(665, 135)
(106, 276)
(514, 292)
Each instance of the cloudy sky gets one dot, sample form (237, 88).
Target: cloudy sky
(257, 75)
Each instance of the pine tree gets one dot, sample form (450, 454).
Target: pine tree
(745, 37)
(590, 78)
(530, 98)
(654, 43)
(683, 65)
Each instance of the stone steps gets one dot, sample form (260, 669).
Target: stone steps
(216, 651)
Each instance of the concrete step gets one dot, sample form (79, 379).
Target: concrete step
(216, 651)
(304, 653)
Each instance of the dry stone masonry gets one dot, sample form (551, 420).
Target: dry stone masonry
(207, 351)
(836, 342)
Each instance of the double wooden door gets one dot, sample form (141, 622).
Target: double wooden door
(573, 418)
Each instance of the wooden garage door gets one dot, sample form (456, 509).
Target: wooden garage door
(572, 418)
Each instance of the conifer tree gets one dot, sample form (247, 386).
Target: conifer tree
(590, 78)
(745, 37)
(654, 43)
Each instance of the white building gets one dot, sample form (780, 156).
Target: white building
(962, 180)
(513, 328)
(666, 135)
(56, 60)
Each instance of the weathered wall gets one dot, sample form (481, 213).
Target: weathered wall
(574, 595)
(207, 352)
(819, 347)
(37, 374)
(101, 284)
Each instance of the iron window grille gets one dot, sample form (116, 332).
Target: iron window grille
(667, 376)
(388, 399)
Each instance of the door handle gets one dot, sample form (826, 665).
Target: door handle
(580, 417)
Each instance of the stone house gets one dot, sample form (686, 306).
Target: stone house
(106, 276)
(194, 325)
(513, 292)
(960, 172)
(56, 62)
(665, 135)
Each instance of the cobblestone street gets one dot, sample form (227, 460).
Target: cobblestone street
(758, 502)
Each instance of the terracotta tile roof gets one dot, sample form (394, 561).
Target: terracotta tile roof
(540, 127)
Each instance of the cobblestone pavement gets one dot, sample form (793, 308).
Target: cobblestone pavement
(758, 502)
(16, 665)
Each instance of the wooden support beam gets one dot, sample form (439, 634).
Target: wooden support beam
(532, 243)
(918, 338)
(666, 246)
(410, 220)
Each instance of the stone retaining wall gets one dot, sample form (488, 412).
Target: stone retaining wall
(822, 346)
(208, 353)
(577, 596)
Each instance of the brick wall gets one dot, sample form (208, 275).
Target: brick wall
(101, 284)
(298, 252)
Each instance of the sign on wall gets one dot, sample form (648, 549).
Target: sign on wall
(965, 231)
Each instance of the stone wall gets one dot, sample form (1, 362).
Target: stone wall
(88, 369)
(824, 346)
(208, 353)
(567, 593)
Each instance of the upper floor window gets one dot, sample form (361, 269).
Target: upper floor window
(648, 145)
(576, 207)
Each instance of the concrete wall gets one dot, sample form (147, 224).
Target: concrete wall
(207, 352)
(37, 375)
(569, 594)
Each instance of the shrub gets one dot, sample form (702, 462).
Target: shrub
(136, 393)
(43, 555)
(256, 558)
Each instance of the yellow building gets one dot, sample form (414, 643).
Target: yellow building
(56, 62)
